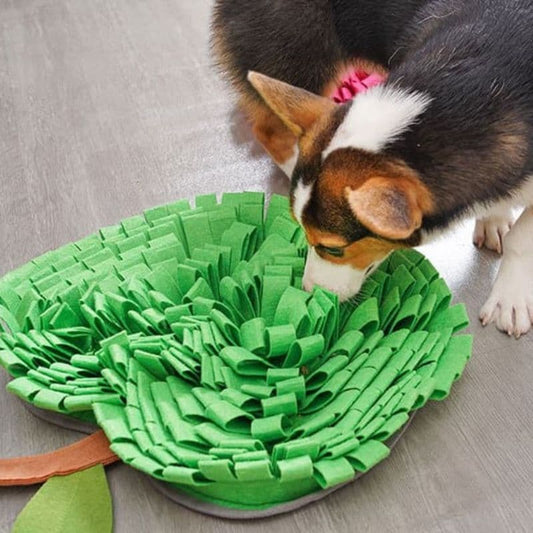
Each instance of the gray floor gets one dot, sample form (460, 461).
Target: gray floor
(111, 106)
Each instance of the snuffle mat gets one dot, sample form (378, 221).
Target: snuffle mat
(185, 335)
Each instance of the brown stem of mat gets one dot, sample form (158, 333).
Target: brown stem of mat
(87, 452)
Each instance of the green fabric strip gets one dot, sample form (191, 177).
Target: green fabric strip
(186, 333)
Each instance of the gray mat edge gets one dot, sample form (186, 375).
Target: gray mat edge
(211, 509)
(220, 511)
(61, 420)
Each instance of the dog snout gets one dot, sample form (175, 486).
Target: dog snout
(308, 283)
(343, 280)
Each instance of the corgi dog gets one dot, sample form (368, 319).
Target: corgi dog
(445, 134)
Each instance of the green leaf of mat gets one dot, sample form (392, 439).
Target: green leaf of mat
(79, 503)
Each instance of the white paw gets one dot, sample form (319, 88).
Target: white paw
(489, 232)
(510, 304)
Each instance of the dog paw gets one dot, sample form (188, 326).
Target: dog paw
(510, 305)
(489, 232)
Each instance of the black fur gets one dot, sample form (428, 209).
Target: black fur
(473, 57)
(372, 29)
(271, 36)
(474, 142)
(301, 41)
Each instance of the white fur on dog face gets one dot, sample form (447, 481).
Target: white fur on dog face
(376, 118)
(343, 280)
(300, 199)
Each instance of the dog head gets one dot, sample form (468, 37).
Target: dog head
(355, 202)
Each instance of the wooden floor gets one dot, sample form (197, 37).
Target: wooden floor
(111, 106)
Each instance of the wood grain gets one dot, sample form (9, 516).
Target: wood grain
(108, 107)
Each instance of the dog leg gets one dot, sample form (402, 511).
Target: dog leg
(510, 304)
(491, 230)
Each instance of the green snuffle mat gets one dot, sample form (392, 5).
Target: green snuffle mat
(184, 333)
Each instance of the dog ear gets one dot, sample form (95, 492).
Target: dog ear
(297, 108)
(390, 207)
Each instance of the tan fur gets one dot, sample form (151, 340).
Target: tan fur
(316, 236)
(311, 114)
(267, 127)
(309, 144)
(372, 175)
(360, 254)
(297, 108)
(277, 139)
(389, 206)
(269, 130)
(296, 112)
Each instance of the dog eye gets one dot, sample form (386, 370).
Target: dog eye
(335, 252)
(369, 269)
